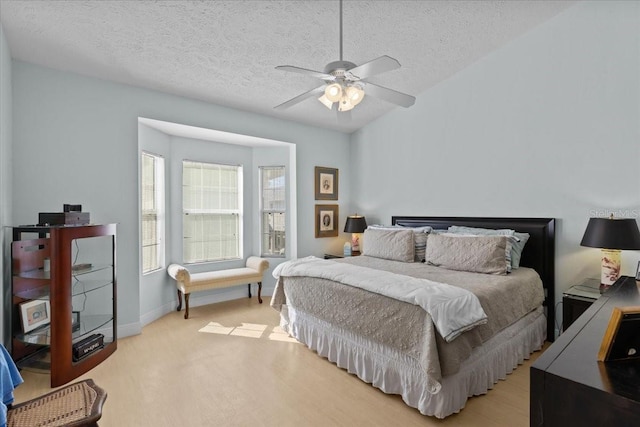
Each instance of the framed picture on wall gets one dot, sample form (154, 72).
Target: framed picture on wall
(326, 183)
(326, 220)
(34, 314)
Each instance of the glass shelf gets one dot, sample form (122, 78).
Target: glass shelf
(90, 269)
(41, 274)
(42, 292)
(38, 274)
(78, 287)
(40, 336)
(93, 322)
(39, 362)
(588, 288)
(88, 323)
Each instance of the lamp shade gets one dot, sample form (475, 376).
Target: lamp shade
(355, 94)
(333, 92)
(612, 233)
(355, 224)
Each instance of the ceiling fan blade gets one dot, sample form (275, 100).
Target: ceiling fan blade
(300, 98)
(318, 74)
(376, 66)
(389, 95)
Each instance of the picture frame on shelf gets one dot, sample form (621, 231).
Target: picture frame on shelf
(326, 183)
(327, 220)
(34, 314)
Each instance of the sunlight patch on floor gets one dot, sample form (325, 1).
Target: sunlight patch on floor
(247, 330)
(216, 328)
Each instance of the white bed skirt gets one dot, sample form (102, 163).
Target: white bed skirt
(395, 373)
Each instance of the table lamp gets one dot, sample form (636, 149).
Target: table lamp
(356, 224)
(611, 235)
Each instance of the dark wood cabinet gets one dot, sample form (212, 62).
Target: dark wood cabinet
(569, 387)
(63, 282)
(577, 299)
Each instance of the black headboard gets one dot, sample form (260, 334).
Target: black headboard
(538, 253)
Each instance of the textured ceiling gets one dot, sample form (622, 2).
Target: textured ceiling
(225, 52)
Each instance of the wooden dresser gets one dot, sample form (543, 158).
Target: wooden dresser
(569, 387)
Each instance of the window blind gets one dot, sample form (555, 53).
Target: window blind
(212, 211)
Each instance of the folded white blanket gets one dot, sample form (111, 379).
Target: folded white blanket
(453, 310)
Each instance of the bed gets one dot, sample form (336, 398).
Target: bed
(369, 315)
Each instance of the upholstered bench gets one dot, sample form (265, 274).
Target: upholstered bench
(187, 282)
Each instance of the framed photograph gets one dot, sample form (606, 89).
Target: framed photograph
(621, 340)
(326, 183)
(327, 220)
(34, 314)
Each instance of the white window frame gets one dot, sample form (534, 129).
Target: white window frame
(238, 212)
(157, 210)
(263, 211)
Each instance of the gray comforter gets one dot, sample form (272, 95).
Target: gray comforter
(405, 327)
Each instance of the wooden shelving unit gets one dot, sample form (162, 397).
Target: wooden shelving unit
(87, 294)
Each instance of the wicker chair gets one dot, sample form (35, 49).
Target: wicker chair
(78, 404)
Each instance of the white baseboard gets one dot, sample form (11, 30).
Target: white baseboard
(157, 313)
(129, 329)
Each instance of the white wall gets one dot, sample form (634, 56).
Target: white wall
(5, 178)
(547, 126)
(75, 140)
(157, 290)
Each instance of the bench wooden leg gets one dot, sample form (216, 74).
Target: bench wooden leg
(259, 291)
(179, 301)
(186, 306)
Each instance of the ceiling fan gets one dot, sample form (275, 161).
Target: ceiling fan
(345, 84)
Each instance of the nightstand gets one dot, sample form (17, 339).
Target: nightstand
(577, 299)
(331, 256)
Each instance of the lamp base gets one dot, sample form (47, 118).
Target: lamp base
(355, 241)
(610, 267)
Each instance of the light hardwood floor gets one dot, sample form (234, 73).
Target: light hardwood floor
(242, 373)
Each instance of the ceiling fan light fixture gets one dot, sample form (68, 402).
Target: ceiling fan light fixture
(345, 104)
(333, 92)
(344, 82)
(325, 101)
(355, 94)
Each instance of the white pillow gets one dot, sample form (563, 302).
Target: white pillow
(419, 237)
(477, 254)
(517, 242)
(396, 244)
